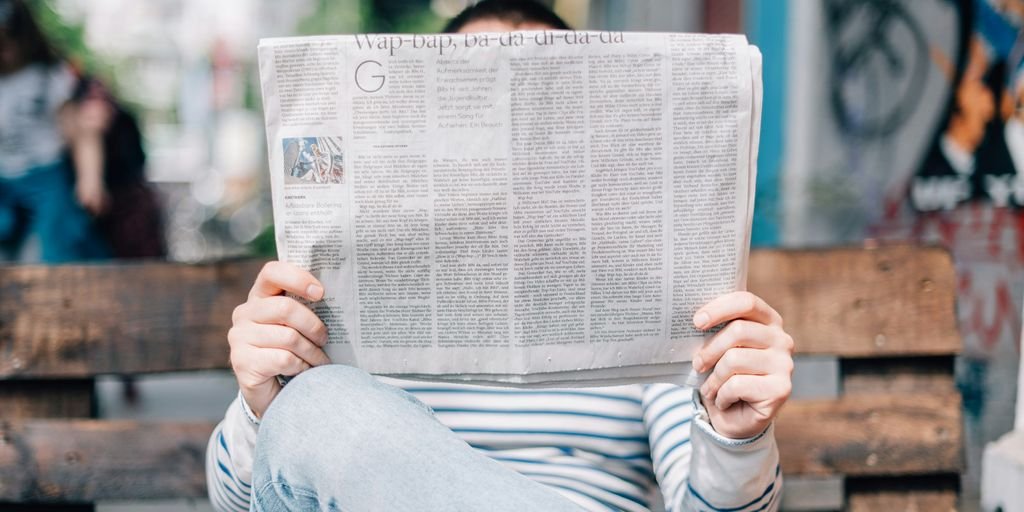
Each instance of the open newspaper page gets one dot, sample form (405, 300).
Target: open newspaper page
(527, 208)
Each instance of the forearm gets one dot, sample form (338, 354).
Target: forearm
(739, 475)
(699, 469)
(85, 125)
(87, 155)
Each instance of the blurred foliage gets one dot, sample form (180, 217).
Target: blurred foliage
(407, 16)
(264, 245)
(352, 16)
(333, 17)
(69, 40)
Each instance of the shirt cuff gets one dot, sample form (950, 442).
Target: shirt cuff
(248, 411)
(703, 422)
(728, 473)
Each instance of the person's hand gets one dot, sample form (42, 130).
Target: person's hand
(89, 121)
(275, 335)
(751, 360)
(92, 195)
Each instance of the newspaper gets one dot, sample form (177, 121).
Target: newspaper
(543, 208)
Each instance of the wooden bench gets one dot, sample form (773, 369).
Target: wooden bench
(894, 434)
(892, 438)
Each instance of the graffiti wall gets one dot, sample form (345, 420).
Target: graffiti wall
(913, 129)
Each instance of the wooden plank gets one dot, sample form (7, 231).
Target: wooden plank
(22, 400)
(918, 494)
(92, 460)
(74, 321)
(87, 460)
(891, 300)
(872, 435)
(933, 375)
(47, 399)
(924, 500)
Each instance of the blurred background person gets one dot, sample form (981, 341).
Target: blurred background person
(38, 198)
(128, 215)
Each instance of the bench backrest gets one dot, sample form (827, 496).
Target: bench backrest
(885, 318)
(890, 426)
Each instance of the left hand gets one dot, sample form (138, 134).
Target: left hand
(751, 360)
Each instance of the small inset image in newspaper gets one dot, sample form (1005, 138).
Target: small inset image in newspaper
(542, 208)
(313, 160)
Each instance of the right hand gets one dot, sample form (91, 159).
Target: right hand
(272, 334)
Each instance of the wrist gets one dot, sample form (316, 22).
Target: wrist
(258, 398)
(250, 415)
(733, 440)
(727, 434)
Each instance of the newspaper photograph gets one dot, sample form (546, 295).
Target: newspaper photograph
(543, 208)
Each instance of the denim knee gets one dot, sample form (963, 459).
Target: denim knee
(318, 392)
(326, 415)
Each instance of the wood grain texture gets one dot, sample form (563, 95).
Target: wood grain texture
(74, 321)
(92, 460)
(887, 301)
(937, 493)
(67, 398)
(937, 500)
(872, 435)
(87, 460)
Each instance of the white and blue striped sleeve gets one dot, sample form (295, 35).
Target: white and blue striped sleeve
(229, 457)
(698, 468)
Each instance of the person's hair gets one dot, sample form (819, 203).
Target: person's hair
(20, 28)
(513, 12)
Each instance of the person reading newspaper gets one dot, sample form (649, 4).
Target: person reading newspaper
(336, 438)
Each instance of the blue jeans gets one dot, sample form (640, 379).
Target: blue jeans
(42, 203)
(336, 439)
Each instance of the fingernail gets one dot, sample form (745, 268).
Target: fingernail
(314, 291)
(704, 389)
(701, 319)
(698, 363)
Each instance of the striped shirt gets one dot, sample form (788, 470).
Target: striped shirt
(628, 448)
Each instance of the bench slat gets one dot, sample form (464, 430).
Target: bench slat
(872, 435)
(939, 500)
(89, 460)
(889, 301)
(77, 321)
(93, 460)
(932, 493)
